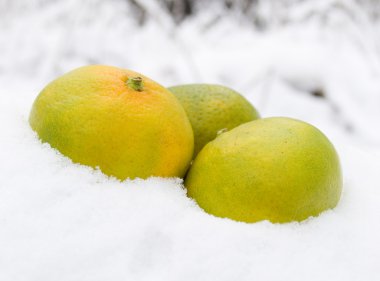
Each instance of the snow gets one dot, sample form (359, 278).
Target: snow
(64, 221)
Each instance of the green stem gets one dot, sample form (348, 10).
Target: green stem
(135, 83)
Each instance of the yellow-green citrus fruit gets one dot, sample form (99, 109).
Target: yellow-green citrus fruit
(212, 108)
(115, 119)
(276, 169)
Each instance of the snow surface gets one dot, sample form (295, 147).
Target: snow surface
(63, 221)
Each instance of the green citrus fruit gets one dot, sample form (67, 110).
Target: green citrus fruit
(115, 119)
(212, 108)
(276, 169)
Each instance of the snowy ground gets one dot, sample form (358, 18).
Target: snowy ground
(62, 221)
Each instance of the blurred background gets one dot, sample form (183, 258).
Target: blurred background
(316, 60)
